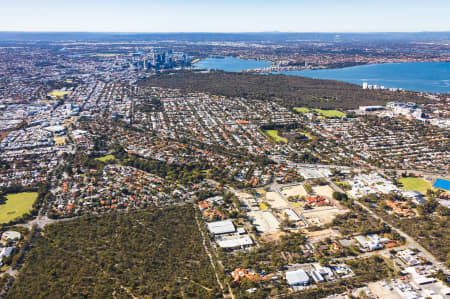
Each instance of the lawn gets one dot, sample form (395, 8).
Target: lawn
(106, 158)
(415, 184)
(273, 134)
(325, 113)
(302, 109)
(330, 113)
(16, 205)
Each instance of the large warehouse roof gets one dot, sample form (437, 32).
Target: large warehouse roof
(221, 227)
(232, 243)
(298, 277)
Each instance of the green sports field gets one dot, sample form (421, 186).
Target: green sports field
(273, 134)
(302, 109)
(330, 113)
(415, 184)
(325, 113)
(16, 205)
(106, 158)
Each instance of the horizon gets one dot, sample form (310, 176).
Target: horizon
(139, 16)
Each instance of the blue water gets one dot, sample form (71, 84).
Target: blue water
(416, 76)
(443, 184)
(230, 64)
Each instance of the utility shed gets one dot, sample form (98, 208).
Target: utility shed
(221, 227)
(297, 278)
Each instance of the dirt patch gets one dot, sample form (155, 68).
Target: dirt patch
(324, 191)
(272, 237)
(297, 190)
(265, 222)
(382, 292)
(276, 201)
(321, 235)
(322, 215)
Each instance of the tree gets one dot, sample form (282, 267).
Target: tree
(339, 196)
(308, 188)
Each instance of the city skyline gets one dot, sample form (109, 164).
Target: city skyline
(233, 16)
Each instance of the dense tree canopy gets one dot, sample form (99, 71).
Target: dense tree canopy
(292, 90)
(153, 253)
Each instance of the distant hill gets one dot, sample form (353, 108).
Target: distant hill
(292, 91)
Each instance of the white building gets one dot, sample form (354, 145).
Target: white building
(11, 235)
(297, 278)
(221, 227)
(235, 242)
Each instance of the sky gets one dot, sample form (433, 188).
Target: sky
(225, 15)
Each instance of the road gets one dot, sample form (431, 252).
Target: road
(209, 253)
(412, 243)
(42, 221)
(277, 188)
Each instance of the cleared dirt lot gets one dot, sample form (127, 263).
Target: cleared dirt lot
(322, 215)
(265, 222)
(271, 237)
(323, 234)
(297, 190)
(382, 292)
(276, 201)
(324, 191)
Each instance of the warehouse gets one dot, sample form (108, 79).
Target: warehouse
(221, 227)
(297, 278)
(236, 242)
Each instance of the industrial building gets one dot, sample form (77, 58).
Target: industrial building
(235, 242)
(221, 227)
(297, 278)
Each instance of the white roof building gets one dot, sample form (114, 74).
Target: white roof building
(5, 252)
(221, 227)
(236, 242)
(297, 278)
(11, 235)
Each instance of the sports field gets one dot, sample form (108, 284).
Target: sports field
(330, 113)
(106, 158)
(16, 205)
(325, 113)
(415, 184)
(302, 109)
(58, 93)
(273, 134)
